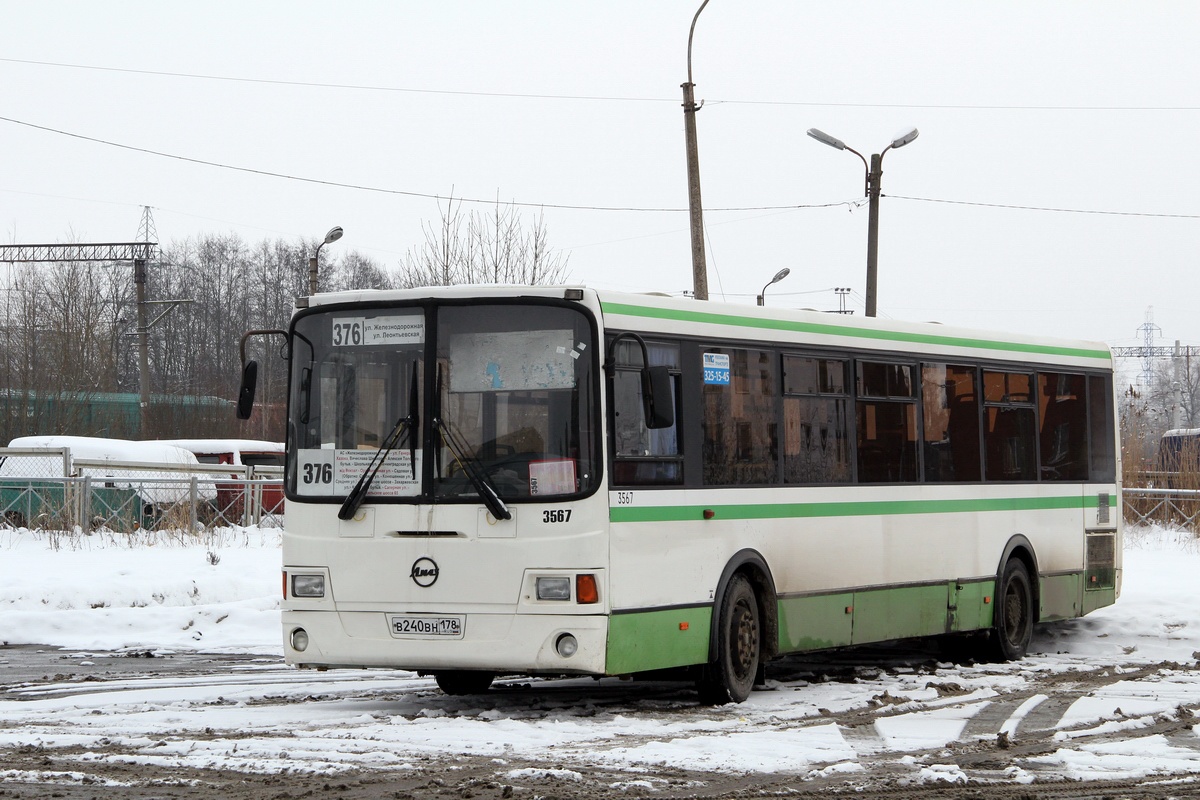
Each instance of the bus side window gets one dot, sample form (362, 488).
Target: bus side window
(1063, 436)
(816, 421)
(1010, 449)
(886, 417)
(644, 456)
(1102, 453)
(740, 424)
(950, 406)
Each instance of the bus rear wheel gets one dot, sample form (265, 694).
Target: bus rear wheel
(738, 630)
(463, 681)
(1012, 624)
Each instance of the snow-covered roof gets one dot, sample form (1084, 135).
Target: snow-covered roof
(94, 448)
(234, 446)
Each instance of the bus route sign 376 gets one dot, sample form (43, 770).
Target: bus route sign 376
(716, 368)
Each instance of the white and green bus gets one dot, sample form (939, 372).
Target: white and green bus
(488, 481)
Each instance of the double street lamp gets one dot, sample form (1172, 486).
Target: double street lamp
(874, 172)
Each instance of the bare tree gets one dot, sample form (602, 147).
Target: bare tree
(1175, 380)
(356, 271)
(66, 337)
(61, 345)
(483, 248)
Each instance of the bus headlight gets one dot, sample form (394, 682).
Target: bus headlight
(308, 586)
(299, 640)
(557, 588)
(566, 645)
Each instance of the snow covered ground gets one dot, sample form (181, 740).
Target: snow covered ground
(1111, 696)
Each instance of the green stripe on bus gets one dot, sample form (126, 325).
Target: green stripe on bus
(838, 330)
(654, 639)
(648, 640)
(678, 513)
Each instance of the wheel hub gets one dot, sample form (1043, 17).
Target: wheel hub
(747, 640)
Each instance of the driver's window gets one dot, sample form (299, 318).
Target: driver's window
(643, 456)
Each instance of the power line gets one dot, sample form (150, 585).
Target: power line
(382, 190)
(562, 206)
(601, 98)
(354, 86)
(1045, 208)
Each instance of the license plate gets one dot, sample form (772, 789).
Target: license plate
(420, 627)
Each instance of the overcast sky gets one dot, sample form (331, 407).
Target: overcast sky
(1088, 106)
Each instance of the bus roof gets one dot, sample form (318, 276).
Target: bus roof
(687, 316)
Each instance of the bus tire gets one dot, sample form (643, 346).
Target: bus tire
(463, 681)
(738, 631)
(1012, 622)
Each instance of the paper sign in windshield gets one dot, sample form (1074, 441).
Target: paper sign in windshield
(322, 473)
(552, 477)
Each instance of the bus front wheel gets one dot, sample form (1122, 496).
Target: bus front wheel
(738, 630)
(1012, 624)
(463, 681)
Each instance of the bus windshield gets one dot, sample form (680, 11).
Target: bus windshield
(507, 406)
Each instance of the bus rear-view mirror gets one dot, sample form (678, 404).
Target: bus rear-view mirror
(657, 397)
(245, 401)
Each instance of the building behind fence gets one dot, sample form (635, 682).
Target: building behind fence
(111, 414)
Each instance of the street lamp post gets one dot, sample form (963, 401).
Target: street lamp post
(874, 171)
(762, 296)
(334, 234)
(695, 207)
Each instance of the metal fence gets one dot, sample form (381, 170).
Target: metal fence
(1176, 508)
(48, 489)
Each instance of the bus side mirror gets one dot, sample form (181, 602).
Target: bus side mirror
(657, 397)
(245, 402)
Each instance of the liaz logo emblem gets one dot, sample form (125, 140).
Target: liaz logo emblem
(424, 572)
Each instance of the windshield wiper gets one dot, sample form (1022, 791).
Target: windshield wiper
(470, 466)
(406, 425)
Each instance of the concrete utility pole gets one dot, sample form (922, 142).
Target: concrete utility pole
(147, 235)
(695, 207)
(874, 174)
(143, 335)
(1177, 388)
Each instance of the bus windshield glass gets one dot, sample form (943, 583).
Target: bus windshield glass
(516, 398)
(512, 392)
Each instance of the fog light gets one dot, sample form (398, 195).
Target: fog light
(567, 645)
(554, 588)
(308, 586)
(300, 640)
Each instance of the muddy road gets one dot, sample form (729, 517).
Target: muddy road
(877, 723)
